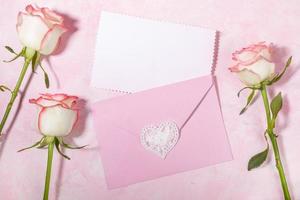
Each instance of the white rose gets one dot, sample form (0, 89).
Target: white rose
(58, 114)
(253, 64)
(40, 29)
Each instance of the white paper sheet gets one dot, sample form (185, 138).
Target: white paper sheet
(134, 54)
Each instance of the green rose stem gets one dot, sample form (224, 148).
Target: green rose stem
(273, 138)
(48, 172)
(51, 141)
(29, 53)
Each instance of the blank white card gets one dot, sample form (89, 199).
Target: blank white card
(134, 54)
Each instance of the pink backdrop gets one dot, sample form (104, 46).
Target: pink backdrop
(240, 23)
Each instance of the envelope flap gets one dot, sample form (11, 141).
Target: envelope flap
(174, 102)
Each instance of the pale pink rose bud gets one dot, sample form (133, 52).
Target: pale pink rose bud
(57, 114)
(40, 29)
(253, 64)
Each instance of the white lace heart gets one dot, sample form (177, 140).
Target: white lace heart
(161, 138)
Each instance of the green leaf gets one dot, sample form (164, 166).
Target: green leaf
(249, 100)
(258, 159)
(56, 141)
(278, 77)
(10, 50)
(276, 105)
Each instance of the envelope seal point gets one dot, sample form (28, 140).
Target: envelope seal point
(160, 139)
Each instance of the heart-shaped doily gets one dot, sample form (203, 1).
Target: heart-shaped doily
(160, 139)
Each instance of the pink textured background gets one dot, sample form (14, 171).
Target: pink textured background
(240, 22)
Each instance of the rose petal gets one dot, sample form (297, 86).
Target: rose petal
(234, 68)
(29, 8)
(70, 101)
(52, 16)
(43, 102)
(245, 56)
(19, 19)
(258, 47)
(248, 77)
(263, 68)
(47, 100)
(57, 97)
(38, 12)
(266, 54)
(57, 121)
(252, 54)
(51, 40)
(31, 30)
(34, 11)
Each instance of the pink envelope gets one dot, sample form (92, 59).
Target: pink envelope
(193, 105)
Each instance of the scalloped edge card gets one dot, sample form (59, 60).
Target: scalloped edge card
(134, 54)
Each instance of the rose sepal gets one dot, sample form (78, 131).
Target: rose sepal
(17, 55)
(277, 77)
(58, 142)
(4, 88)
